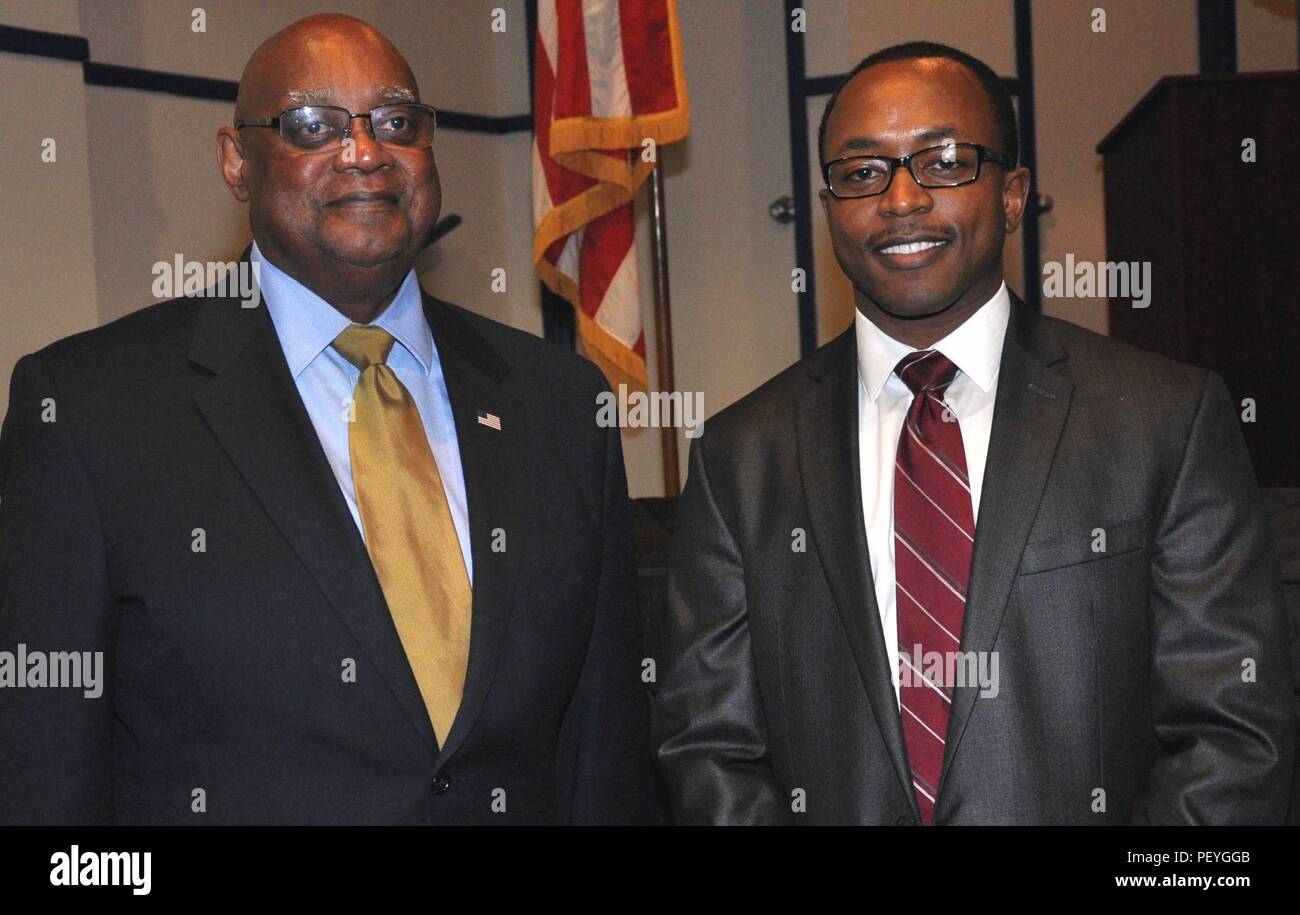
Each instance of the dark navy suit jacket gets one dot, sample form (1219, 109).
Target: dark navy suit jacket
(225, 667)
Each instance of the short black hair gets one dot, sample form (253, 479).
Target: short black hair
(1004, 113)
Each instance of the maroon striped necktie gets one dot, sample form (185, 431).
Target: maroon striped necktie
(934, 537)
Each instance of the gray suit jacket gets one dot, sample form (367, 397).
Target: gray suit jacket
(1145, 684)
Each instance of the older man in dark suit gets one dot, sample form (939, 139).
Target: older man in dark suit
(844, 643)
(354, 555)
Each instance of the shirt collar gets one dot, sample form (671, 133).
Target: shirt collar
(306, 324)
(975, 346)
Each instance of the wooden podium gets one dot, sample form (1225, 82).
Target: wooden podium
(1222, 236)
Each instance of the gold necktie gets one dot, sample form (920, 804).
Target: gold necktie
(409, 532)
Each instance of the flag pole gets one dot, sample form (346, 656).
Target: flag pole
(663, 325)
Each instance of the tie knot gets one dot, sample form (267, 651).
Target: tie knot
(364, 345)
(926, 370)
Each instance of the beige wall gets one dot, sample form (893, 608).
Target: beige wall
(1084, 83)
(458, 60)
(136, 180)
(1266, 35)
(735, 321)
(46, 236)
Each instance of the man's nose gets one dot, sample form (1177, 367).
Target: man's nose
(904, 195)
(367, 152)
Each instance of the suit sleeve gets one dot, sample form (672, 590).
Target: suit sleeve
(707, 715)
(55, 743)
(1221, 680)
(604, 764)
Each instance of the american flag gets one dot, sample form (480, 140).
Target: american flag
(491, 420)
(608, 77)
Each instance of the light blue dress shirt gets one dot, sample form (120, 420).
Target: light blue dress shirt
(306, 325)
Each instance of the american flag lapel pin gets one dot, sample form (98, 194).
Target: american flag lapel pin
(491, 420)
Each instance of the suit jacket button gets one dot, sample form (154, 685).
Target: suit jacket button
(906, 820)
(441, 784)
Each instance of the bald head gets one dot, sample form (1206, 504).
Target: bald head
(277, 73)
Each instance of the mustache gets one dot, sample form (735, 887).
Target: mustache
(878, 238)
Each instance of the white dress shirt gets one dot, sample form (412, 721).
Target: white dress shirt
(883, 401)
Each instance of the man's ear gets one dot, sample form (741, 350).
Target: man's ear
(1015, 194)
(230, 159)
(825, 196)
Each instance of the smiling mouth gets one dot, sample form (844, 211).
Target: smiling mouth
(911, 247)
(912, 255)
(365, 200)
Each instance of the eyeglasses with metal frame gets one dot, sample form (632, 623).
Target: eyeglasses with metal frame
(319, 128)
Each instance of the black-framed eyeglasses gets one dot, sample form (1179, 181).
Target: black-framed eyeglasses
(950, 165)
(319, 128)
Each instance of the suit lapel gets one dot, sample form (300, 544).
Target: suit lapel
(827, 436)
(1029, 414)
(253, 408)
(256, 413)
(495, 462)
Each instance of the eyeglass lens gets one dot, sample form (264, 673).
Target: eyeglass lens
(942, 166)
(321, 127)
